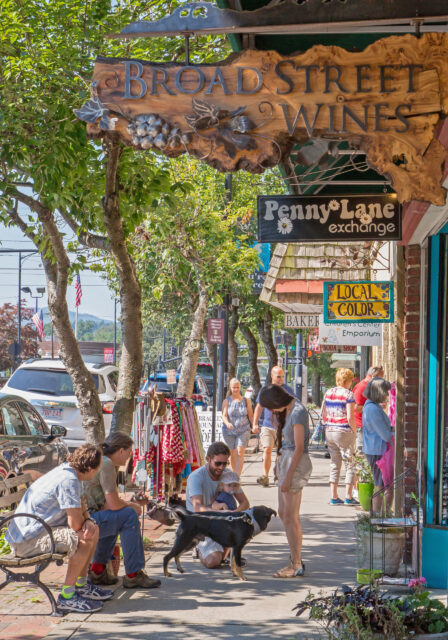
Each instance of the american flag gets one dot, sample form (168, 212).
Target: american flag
(78, 290)
(38, 320)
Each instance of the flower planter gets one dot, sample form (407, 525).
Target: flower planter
(393, 548)
(365, 493)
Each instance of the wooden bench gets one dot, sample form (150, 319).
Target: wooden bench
(11, 492)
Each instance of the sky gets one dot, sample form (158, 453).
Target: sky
(96, 297)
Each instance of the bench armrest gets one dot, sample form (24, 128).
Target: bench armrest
(46, 526)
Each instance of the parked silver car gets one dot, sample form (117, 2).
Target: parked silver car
(27, 443)
(46, 384)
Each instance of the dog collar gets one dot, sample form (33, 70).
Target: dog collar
(253, 522)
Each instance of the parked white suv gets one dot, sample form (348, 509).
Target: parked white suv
(46, 384)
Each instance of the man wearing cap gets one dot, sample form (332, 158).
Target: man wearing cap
(268, 431)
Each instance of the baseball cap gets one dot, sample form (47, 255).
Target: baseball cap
(229, 476)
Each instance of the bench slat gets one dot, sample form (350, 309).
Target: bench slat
(16, 481)
(11, 498)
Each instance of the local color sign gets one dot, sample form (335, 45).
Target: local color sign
(361, 301)
(317, 218)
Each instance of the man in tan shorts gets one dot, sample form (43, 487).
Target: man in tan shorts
(57, 500)
(268, 431)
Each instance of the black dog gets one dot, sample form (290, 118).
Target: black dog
(231, 529)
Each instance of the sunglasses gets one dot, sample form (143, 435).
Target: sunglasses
(220, 464)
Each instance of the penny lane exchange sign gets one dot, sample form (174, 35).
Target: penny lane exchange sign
(317, 218)
(360, 301)
(248, 112)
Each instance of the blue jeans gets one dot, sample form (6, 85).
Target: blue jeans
(125, 523)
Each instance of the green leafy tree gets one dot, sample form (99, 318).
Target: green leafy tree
(99, 189)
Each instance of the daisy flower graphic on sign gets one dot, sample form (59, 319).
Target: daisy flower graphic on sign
(366, 218)
(334, 205)
(284, 226)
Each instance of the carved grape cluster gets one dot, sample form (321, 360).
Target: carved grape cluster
(150, 130)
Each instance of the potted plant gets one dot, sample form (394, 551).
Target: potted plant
(364, 613)
(365, 481)
(393, 548)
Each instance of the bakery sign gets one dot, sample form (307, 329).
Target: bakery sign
(248, 112)
(359, 301)
(334, 218)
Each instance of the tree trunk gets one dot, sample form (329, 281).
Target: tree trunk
(130, 295)
(57, 265)
(190, 352)
(253, 355)
(264, 327)
(232, 358)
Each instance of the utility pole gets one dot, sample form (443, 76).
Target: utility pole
(299, 360)
(19, 308)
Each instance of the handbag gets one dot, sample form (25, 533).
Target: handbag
(386, 463)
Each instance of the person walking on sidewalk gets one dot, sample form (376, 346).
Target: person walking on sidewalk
(237, 418)
(293, 468)
(360, 399)
(268, 431)
(116, 517)
(340, 433)
(56, 498)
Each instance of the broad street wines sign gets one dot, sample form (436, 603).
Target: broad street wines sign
(360, 301)
(333, 218)
(248, 111)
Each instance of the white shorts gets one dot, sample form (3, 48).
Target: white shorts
(208, 546)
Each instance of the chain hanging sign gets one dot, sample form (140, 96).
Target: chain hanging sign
(247, 112)
(360, 301)
(334, 218)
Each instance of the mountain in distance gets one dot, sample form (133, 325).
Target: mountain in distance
(99, 322)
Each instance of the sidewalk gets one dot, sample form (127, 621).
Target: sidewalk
(200, 603)
(24, 610)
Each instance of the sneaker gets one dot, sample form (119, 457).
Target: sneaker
(351, 501)
(140, 580)
(102, 578)
(93, 592)
(263, 481)
(78, 604)
(336, 501)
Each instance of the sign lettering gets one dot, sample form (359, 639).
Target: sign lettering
(301, 321)
(215, 331)
(358, 301)
(317, 218)
(247, 111)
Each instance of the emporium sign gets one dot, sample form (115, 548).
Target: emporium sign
(334, 218)
(360, 334)
(360, 301)
(248, 111)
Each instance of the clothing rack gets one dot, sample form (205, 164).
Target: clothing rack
(166, 445)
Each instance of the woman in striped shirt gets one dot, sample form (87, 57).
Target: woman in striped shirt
(338, 415)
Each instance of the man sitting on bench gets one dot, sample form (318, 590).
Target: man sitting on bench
(56, 498)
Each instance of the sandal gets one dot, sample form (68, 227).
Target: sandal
(285, 573)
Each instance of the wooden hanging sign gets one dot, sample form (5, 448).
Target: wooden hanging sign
(248, 111)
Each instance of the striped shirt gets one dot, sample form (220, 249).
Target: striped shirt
(336, 400)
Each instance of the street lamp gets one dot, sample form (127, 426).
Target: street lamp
(40, 293)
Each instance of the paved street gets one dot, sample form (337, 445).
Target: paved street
(202, 603)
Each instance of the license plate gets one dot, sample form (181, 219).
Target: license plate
(51, 413)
